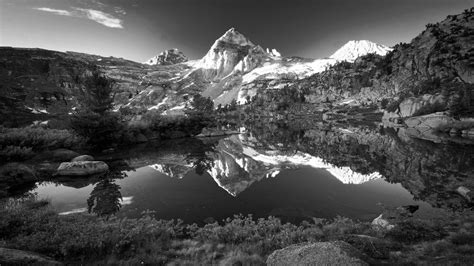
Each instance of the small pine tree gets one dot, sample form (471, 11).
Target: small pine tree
(233, 105)
(96, 96)
(202, 104)
(94, 118)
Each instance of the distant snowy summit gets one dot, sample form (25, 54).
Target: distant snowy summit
(353, 49)
(168, 57)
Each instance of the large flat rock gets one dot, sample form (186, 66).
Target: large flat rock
(321, 253)
(82, 168)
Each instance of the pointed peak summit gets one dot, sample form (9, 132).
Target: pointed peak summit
(235, 37)
(231, 30)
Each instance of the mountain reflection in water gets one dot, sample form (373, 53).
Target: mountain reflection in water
(274, 170)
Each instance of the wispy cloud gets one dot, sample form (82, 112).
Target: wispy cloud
(101, 17)
(98, 16)
(55, 11)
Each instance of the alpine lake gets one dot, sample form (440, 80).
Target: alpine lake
(291, 173)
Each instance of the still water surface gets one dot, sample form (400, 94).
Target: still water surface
(292, 195)
(313, 174)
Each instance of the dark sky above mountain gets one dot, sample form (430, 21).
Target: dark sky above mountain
(139, 29)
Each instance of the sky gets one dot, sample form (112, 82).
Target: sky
(140, 29)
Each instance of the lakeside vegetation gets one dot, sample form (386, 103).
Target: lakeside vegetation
(95, 125)
(18, 144)
(27, 224)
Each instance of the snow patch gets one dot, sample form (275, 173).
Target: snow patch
(36, 110)
(159, 104)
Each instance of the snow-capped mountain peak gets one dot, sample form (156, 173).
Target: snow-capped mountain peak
(227, 52)
(168, 57)
(234, 37)
(353, 49)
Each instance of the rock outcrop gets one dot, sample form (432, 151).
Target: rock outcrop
(82, 168)
(321, 253)
(81, 158)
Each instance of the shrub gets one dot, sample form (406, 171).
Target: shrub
(413, 231)
(15, 153)
(22, 143)
(38, 138)
(202, 105)
(462, 238)
(99, 130)
(260, 236)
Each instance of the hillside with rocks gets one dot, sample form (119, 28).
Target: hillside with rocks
(434, 72)
(37, 82)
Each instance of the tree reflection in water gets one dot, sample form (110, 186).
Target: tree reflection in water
(202, 164)
(200, 159)
(105, 199)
